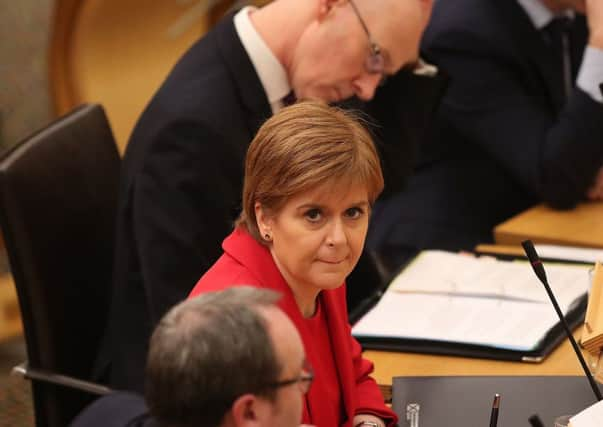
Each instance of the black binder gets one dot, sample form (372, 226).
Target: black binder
(555, 336)
(467, 401)
(550, 341)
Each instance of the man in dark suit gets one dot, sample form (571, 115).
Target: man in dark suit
(521, 123)
(223, 359)
(182, 171)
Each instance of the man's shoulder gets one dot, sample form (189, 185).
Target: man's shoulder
(119, 409)
(462, 13)
(202, 85)
(469, 23)
(199, 99)
(203, 79)
(202, 93)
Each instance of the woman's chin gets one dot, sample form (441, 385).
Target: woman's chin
(330, 281)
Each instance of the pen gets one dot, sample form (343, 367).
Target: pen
(494, 414)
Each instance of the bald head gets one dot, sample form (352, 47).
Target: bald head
(324, 47)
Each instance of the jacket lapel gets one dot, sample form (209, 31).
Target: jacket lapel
(339, 335)
(243, 74)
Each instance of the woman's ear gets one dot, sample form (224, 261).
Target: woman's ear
(264, 222)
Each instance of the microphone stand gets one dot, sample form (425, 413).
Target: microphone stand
(530, 251)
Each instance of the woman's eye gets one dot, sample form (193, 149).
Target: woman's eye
(313, 215)
(354, 213)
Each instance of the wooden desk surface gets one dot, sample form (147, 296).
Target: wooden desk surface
(582, 226)
(10, 318)
(391, 364)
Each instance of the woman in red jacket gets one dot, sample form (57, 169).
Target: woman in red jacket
(311, 176)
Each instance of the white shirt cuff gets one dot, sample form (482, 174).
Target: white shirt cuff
(590, 75)
(426, 69)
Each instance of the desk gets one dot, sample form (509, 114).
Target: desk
(10, 318)
(562, 361)
(582, 226)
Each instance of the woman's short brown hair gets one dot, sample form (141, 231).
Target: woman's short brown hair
(301, 147)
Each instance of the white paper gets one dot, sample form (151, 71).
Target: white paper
(570, 253)
(449, 297)
(590, 417)
(450, 273)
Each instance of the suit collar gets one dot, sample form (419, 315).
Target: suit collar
(539, 14)
(271, 72)
(242, 74)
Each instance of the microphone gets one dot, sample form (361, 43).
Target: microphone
(534, 259)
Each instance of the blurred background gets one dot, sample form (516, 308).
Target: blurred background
(24, 95)
(55, 55)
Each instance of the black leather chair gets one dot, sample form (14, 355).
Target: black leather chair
(58, 202)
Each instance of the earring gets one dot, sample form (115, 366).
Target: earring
(267, 237)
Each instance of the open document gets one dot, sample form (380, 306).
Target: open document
(590, 417)
(443, 297)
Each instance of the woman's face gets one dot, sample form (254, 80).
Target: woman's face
(318, 235)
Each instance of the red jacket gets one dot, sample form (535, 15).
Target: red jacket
(246, 262)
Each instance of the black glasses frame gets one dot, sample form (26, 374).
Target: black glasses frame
(375, 62)
(307, 378)
(304, 380)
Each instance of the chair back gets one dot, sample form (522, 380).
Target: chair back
(58, 203)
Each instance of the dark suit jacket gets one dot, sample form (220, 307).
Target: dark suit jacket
(505, 138)
(182, 179)
(115, 410)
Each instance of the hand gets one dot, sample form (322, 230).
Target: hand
(595, 192)
(594, 15)
(367, 417)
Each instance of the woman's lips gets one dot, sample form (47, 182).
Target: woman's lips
(333, 262)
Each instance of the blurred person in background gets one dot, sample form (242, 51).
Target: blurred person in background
(521, 123)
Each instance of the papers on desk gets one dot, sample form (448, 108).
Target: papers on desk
(444, 297)
(590, 417)
(570, 253)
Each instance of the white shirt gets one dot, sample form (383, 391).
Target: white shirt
(271, 72)
(590, 74)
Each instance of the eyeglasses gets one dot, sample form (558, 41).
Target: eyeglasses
(375, 62)
(304, 380)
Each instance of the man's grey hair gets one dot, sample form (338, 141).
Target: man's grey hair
(206, 352)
